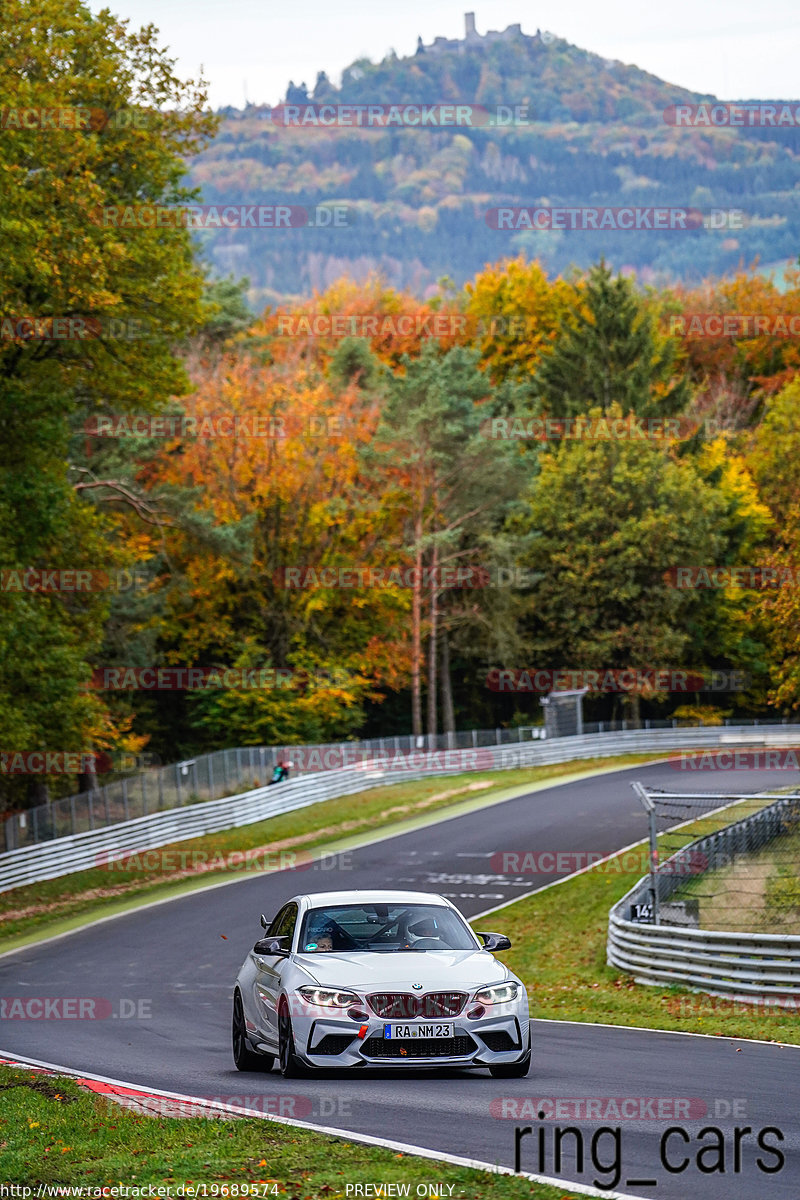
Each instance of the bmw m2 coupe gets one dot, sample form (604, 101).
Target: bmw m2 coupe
(378, 979)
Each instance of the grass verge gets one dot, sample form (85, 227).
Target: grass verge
(757, 893)
(53, 1132)
(559, 950)
(54, 905)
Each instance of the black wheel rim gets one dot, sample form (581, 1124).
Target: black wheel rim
(284, 1039)
(238, 1029)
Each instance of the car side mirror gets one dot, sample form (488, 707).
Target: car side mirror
(265, 924)
(495, 941)
(271, 945)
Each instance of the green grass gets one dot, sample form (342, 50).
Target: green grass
(53, 1132)
(559, 950)
(757, 893)
(54, 905)
(782, 900)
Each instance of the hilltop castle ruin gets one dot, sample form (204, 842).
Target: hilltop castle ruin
(474, 39)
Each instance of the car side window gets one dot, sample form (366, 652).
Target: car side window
(284, 923)
(272, 928)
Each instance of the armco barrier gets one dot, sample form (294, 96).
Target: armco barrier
(748, 966)
(223, 773)
(753, 967)
(125, 795)
(62, 856)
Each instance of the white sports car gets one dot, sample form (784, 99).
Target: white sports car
(378, 979)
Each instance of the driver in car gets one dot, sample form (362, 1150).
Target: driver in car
(424, 930)
(320, 939)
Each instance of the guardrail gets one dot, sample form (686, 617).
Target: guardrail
(230, 772)
(62, 856)
(753, 967)
(745, 966)
(217, 774)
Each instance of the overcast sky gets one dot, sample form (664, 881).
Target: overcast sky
(250, 49)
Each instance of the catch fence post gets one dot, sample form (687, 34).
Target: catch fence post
(650, 809)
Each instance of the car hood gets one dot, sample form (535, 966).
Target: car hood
(448, 970)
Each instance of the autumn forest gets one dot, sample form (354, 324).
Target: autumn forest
(377, 513)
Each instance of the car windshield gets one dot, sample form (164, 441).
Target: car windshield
(385, 928)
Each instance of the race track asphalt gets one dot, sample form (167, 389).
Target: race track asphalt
(173, 965)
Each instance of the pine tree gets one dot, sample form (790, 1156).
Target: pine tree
(611, 519)
(608, 352)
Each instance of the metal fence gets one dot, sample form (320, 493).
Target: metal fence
(98, 847)
(744, 878)
(221, 773)
(228, 772)
(670, 927)
(76, 852)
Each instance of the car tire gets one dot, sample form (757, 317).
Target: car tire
(517, 1070)
(245, 1058)
(290, 1064)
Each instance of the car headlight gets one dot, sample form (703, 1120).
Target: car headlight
(499, 993)
(328, 997)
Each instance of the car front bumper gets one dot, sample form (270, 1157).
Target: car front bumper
(331, 1041)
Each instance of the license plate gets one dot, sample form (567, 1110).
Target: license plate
(433, 1030)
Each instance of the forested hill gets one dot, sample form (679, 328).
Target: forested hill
(558, 81)
(594, 134)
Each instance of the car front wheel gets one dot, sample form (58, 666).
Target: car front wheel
(245, 1058)
(291, 1066)
(517, 1070)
